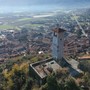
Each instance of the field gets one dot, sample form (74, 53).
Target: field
(24, 19)
(9, 27)
(33, 25)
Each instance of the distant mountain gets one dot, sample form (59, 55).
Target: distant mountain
(41, 2)
(12, 5)
(60, 1)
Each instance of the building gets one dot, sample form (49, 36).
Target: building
(89, 36)
(40, 70)
(58, 43)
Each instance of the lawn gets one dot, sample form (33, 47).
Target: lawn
(9, 27)
(33, 25)
(24, 19)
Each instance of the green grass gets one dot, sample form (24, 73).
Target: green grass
(33, 25)
(9, 27)
(5, 26)
(24, 19)
(88, 61)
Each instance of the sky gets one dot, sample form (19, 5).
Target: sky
(37, 4)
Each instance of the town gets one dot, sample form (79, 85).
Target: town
(37, 32)
(43, 43)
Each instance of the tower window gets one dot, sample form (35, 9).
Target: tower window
(61, 39)
(55, 34)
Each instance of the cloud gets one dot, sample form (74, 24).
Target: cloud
(41, 2)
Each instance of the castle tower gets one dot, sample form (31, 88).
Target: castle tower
(58, 43)
(89, 37)
(89, 41)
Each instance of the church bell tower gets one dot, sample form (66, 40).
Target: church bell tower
(57, 44)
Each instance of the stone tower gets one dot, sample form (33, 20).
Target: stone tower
(58, 43)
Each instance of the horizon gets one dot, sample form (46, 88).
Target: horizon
(39, 6)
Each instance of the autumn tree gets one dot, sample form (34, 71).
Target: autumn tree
(17, 77)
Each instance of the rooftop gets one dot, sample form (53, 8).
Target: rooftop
(59, 30)
(74, 65)
(85, 57)
(44, 68)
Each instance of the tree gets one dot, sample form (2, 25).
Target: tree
(52, 83)
(64, 82)
(17, 77)
(71, 85)
(86, 79)
(28, 84)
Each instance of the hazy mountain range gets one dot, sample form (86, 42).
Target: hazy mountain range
(37, 4)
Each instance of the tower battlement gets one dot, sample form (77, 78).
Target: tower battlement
(58, 30)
